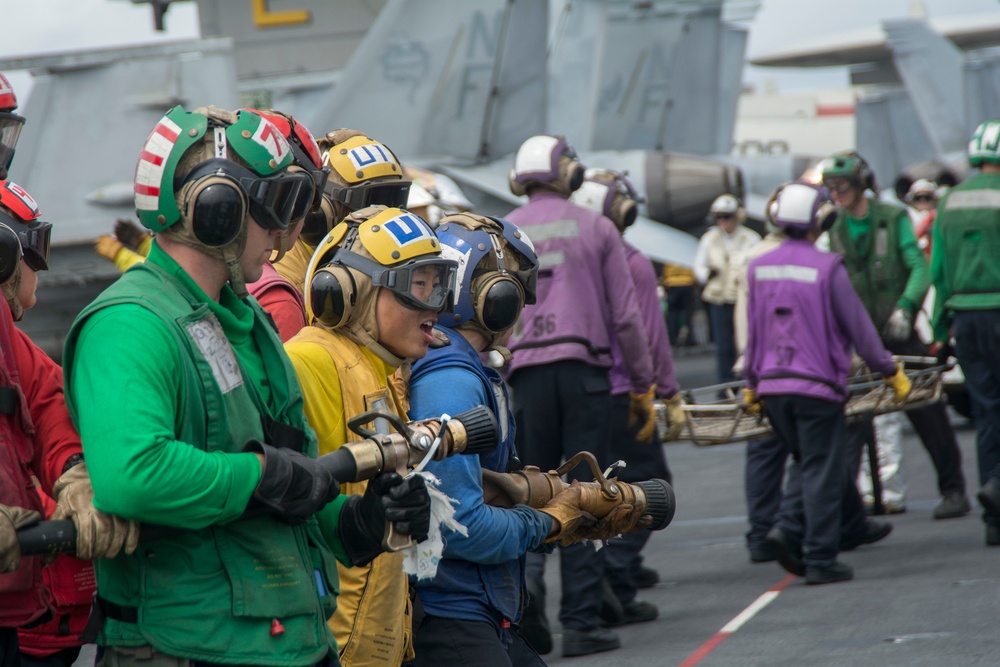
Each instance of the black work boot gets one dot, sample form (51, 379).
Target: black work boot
(989, 497)
(787, 550)
(873, 531)
(645, 577)
(829, 575)
(585, 642)
(952, 506)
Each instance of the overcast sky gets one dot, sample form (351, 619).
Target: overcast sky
(40, 26)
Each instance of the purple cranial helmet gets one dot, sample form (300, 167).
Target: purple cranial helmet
(548, 161)
(802, 206)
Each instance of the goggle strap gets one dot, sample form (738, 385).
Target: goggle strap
(221, 143)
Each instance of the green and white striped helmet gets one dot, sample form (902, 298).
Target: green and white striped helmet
(984, 146)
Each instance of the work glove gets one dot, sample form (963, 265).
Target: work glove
(676, 417)
(389, 498)
(12, 518)
(98, 535)
(292, 486)
(899, 327)
(108, 246)
(567, 516)
(130, 233)
(643, 412)
(899, 383)
(751, 403)
(622, 519)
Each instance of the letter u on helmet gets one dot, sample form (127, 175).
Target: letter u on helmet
(802, 206)
(549, 161)
(377, 247)
(497, 271)
(984, 146)
(363, 173)
(611, 194)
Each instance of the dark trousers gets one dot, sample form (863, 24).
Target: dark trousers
(932, 426)
(644, 461)
(764, 478)
(64, 658)
(450, 641)
(681, 304)
(721, 317)
(977, 333)
(9, 655)
(813, 431)
(561, 409)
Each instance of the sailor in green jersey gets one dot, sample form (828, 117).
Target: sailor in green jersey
(966, 276)
(191, 417)
(890, 274)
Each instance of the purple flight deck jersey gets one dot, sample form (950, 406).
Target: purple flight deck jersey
(644, 279)
(585, 292)
(804, 318)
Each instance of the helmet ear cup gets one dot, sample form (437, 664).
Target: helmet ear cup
(515, 187)
(319, 223)
(498, 302)
(10, 253)
(571, 173)
(216, 207)
(625, 212)
(826, 216)
(332, 295)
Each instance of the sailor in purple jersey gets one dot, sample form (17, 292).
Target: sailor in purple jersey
(612, 194)
(804, 318)
(561, 357)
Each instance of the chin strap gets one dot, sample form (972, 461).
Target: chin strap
(10, 289)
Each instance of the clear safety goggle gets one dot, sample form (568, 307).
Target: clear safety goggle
(419, 284)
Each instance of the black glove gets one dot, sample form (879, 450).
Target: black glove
(364, 519)
(293, 486)
(943, 352)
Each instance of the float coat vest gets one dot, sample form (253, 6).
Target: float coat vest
(372, 623)
(876, 268)
(460, 580)
(213, 594)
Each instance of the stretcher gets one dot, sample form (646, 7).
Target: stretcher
(716, 415)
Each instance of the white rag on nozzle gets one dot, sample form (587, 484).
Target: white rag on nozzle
(422, 559)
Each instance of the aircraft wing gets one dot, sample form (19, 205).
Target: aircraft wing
(657, 241)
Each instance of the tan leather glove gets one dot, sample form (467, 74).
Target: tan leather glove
(642, 411)
(98, 535)
(676, 417)
(751, 403)
(108, 246)
(899, 383)
(564, 508)
(622, 519)
(12, 518)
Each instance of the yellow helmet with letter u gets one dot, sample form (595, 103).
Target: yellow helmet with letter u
(376, 247)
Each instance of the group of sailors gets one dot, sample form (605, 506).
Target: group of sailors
(283, 287)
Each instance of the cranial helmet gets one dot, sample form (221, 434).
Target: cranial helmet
(547, 161)
(984, 146)
(22, 236)
(922, 186)
(611, 194)
(497, 272)
(306, 158)
(363, 173)
(376, 247)
(211, 169)
(10, 125)
(851, 166)
(726, 206)
(802, 206)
